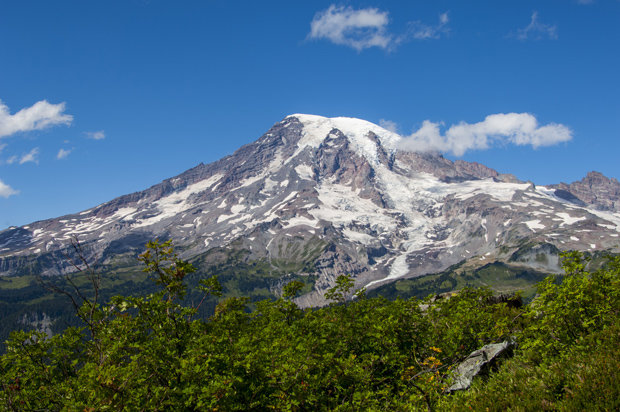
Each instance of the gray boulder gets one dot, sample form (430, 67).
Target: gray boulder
(478, 363)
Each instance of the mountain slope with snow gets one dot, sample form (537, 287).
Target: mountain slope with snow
(337, 194)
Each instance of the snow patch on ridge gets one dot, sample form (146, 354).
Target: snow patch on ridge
(273, 167)
(568, 219)
(301, 221)
(608, 216)
(304, 172)
(177, 202)
(399, 268)
(534, 225)
(341, 206)
(363, 238)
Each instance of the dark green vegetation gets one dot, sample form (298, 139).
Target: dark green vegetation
(508, 277)
(23, 299)
(154, 353)
(27, 297)
(499, 276)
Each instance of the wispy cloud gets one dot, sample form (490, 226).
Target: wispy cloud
(365, 28)
(39, 116)
(537, 30)
(6, 190)
(63, 153)
(2, 146)
(31, 156)
(99, 135)
(497, 129)
(359, 29)
(11, 160)
(389, 125)
(420, 31)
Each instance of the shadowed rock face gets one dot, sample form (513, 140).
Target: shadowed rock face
(595, 189)
(446, 170)
(337, 195)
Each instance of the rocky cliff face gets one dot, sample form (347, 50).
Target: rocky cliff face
(338, 196)
(595, 190)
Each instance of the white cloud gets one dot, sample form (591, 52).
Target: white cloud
(515, 128)
(6, 190)
(359, 29)
(389, 125)
(365, 28)
(63, 153)
(537, 30)
(31, 156)
(99, 135)
(2, 146)
(11, 160)
(36, 117)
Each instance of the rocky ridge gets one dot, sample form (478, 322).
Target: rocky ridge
(595, 189)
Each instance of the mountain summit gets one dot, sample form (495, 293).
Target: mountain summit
(329, 196)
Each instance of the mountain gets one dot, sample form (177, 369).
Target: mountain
(319, 197)
(595, 189)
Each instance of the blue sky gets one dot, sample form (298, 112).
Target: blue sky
(104, 98)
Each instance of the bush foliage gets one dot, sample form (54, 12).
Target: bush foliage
(153, 353)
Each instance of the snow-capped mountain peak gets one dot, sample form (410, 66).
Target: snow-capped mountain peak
(363, 135)
(337, 195)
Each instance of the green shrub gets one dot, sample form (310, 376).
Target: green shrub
(151, 353)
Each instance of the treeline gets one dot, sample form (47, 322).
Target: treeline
(359, 353)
